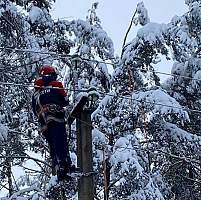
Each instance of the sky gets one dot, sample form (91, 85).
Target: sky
(116, 15)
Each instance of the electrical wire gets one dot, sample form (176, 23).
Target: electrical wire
(157, 151)
(176, 75)
(56, 54)
(112, 95)
(87, 59)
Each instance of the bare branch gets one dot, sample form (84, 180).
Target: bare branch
(4, 186)
(190, 179)
(27, 157)
(131, 22)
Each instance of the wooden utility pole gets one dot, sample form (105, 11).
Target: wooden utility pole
(9, 175)
(82, 114)
(84, 154)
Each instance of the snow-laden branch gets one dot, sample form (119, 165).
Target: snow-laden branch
(26, 190)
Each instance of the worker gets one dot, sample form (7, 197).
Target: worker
(48, 102)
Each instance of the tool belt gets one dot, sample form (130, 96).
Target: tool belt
(50, 112)
(52, 108)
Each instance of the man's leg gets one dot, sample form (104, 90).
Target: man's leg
(60, 146)
(59, 143)
(48, 136)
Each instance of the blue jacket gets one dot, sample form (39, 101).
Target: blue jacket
(48, 102)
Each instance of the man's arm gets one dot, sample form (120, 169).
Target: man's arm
(34, 104)
(38, 83)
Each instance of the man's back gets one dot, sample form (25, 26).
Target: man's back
(48, 102)
(53, 93)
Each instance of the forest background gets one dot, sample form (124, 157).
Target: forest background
(146, 133)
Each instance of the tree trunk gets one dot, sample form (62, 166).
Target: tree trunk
(9, 175)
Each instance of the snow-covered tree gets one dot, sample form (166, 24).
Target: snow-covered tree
(142, 118)
(118, 116)
(146, 136)
(184, 39)
(89, 42)
(28, 25)
(18, 131)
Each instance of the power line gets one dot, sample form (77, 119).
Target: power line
(158, 104)
(55, 54)
(186, 77)
(87, 59)
(158, 151)
(71, 56)
(119, 96)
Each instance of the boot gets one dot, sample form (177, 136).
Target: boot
(74, 169)
(62, 171)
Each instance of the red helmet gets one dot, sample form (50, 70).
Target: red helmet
(46, 70)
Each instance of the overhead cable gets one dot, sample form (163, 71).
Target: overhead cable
(119, 96)
(88, 59)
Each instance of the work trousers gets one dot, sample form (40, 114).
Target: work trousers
(57, 140)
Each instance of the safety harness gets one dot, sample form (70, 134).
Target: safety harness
(48, 113)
